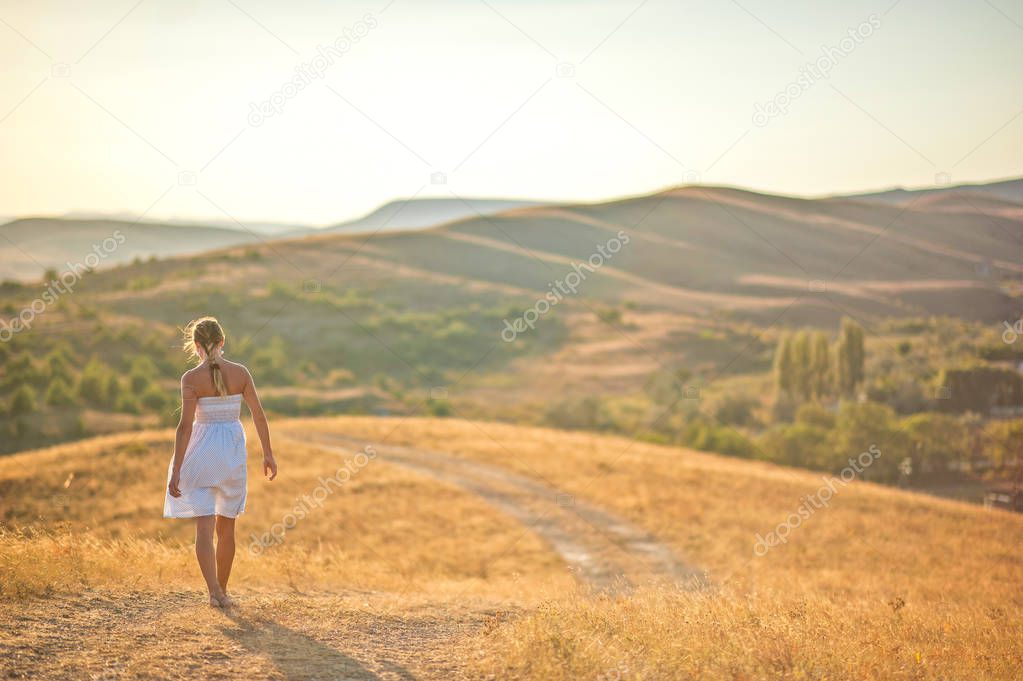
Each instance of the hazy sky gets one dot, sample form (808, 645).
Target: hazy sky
(117, 106)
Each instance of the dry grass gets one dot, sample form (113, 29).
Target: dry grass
(105, 527)
(794, 634)
(861, 587)
(400, 568)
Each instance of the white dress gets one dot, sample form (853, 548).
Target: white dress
(213, 470)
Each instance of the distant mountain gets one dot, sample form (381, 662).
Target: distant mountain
(1006, 190)
(427, 212)
(28, 246)
(262, 228)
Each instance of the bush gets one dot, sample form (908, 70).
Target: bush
(59, 393)
(142, 373)
(935, 440)
(736, 410)
(862, 425)
(438, 407)
(154, 399)
(701, 434)
(20, 369)
(979, 389)
(128, 404)
(94, 383)
(23, 401)
(1004, 442)
(587, 413)
(799, 444)
(812, 414)
(112, 388)
(58, 365)
(139, 383)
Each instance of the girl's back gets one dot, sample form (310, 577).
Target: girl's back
(199, 379)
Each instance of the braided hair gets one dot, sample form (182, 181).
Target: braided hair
(206, 333)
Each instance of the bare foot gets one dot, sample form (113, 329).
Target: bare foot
(227, 602)
(216, 602)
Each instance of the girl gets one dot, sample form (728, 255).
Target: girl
(206, 477)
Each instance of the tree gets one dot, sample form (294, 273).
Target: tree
(820, 365)
(736, 410)
(127, 403)
(979, 389)
(154, 399)
(59, 364)
(143, 371)
(783, 371)
(849, 358)
(59, 394)
(859, 427)
(1005, 443)
(802, 360)
(93, 384)
(24, 400)
(112, 388)
(936, 440)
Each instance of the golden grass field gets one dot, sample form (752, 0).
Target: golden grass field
(403, 575)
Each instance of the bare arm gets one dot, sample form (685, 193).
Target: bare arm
(182, 435)
(262, 427)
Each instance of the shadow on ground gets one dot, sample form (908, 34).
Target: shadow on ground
(300, 657)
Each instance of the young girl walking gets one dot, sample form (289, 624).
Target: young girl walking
(206, 479)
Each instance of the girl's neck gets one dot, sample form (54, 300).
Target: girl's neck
(215, 357)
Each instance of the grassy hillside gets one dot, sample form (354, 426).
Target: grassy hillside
(656, 317)
(401, 574)
(31, 245)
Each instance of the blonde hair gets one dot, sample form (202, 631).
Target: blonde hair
(207, 334)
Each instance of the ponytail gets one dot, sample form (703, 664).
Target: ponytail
(207, 334)
(216, 373)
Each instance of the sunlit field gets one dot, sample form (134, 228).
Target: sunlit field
(890, 584)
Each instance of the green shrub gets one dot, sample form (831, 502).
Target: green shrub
(798, 444)
(813, 414)
(112, 388)
(59, 365)
(59, 393)
(127, 404)
(935, 440)
(439, 407)
(979, 389)
(154, 399)
(23, 401)
(736, 410)
(94, 383)
(700, 433)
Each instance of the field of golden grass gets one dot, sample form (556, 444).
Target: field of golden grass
(402, 575)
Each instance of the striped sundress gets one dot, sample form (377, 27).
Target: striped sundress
(213, 471)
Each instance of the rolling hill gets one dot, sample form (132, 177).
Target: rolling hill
(469, 550)
(426, 212)
(28, 246)
(1008, 190)
(546, 314)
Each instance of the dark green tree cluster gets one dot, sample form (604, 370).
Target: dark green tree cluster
(849, 358)
(806, 367)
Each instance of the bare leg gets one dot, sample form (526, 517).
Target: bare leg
(204, 554)
(225, 550)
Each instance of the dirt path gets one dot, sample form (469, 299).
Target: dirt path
(107, 635)
(602, 549)
(103, 636)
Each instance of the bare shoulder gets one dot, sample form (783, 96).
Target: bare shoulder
(236, 369)
(189, 378)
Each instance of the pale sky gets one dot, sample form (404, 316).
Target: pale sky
(115, 106)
